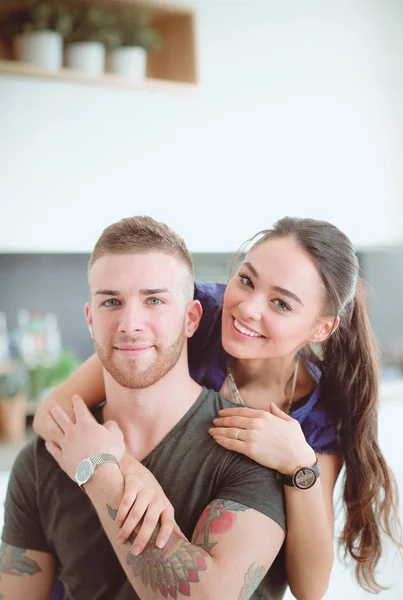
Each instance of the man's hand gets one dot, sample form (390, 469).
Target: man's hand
(72, 442)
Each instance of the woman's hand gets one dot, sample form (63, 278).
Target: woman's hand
(143, 499)
(273, 439)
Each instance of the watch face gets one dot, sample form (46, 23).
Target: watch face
(84, 471)
(304, 478)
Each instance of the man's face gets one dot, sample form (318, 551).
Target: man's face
(138, 315)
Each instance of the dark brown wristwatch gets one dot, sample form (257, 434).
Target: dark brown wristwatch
(303, 478)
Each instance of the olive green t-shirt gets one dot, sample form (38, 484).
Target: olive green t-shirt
(45, 510)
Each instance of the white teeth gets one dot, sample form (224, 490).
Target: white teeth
(243, 329)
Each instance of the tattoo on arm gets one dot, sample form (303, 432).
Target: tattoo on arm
(13, 561)
(253, 577)
(218, 517)
(171, 569)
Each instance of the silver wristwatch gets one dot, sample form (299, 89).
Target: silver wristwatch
(86, 468)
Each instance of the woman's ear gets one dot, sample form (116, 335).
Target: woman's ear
(325, 329)
(194, 313)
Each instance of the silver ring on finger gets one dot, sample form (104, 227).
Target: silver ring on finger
(237, 434)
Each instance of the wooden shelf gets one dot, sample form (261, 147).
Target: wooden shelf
(174, 64)
(14, 67)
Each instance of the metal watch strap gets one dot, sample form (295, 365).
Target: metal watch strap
(100, 459)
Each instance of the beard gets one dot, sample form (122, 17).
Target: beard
(128, 374)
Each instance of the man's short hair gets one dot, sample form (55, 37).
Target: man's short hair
(139, 235)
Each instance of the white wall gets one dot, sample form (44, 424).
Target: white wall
(299, 112)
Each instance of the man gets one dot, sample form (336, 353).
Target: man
(229, 508)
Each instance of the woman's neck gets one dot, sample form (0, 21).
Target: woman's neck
(268, 374)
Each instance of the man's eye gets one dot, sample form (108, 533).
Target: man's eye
(111, 302)
(154, 301)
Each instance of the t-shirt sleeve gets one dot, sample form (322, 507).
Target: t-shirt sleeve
(248, 483)
(321, 432)
(205, 352)
(22, 523)
(324, 439)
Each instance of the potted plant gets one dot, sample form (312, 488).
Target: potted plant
(92, 31)
(14, 385)
(136, 38)
(37, 33)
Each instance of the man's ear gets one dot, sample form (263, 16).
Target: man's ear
(194, 313)
(324, 329)
(88, 316)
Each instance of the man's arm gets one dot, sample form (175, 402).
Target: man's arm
(232, 548)
(25, 573)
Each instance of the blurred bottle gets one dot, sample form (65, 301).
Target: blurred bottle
(38, 333)
(25, 340)
(53, 341)
(4, 341)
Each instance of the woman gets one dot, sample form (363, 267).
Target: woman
(297, 289)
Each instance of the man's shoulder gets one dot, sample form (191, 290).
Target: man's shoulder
(33, 455)
(242, 479)
(214, 402)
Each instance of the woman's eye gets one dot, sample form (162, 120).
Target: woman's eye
(112, 302)
(154, 301)
(245, 280)
(281, 305)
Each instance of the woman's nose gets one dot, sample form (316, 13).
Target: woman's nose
(251, 309)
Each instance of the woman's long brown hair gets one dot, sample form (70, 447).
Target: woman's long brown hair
(350, 387)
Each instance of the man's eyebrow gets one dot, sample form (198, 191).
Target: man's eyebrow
(143, 292)
(285, 292)
(103, 292)
(153, 291)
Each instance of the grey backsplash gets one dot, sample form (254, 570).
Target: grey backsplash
(58, 283)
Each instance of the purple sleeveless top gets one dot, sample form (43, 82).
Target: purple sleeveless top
(208, 363)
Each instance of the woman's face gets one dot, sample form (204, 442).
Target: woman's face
(274, 302)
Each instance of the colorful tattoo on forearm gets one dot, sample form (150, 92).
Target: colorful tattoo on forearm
(13, 561)
(171, 569)
(218, 517)
(253, 577)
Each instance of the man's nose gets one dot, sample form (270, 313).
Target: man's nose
(131, 320)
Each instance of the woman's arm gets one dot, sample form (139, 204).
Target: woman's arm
(87, 382)
(276, 441)
(310, 525)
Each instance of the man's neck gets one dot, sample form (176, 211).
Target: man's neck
(146, 415)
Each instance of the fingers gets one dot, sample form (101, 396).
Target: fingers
(242, 411)
(238, 422)
(60, 418)
(151, 511)
(168, 525)
(277, 412)
(232, 433)
(232, 444)
(147, 528)
(134, 516)
(54, 450)
(80, 408)
(111, 426)
(129, 498)
(55, 433)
